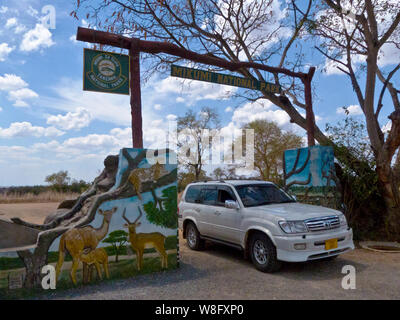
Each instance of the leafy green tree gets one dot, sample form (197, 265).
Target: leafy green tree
(78, 186)
(188, 176)
(117, 239)
(163, 211)
(269, 144)
(359, 187)
(59, 181)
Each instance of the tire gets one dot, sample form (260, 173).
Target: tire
(263, 254)
(193, 237)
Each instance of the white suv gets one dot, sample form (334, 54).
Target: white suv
(263, 220)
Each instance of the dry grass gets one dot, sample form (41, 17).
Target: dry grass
(47, 196)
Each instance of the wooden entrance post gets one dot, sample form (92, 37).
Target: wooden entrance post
(136, 96)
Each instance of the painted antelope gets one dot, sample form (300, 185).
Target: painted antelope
(95, 258)
(140, 241)
(76, 240)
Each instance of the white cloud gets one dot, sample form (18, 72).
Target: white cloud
(228, 109)
(11, 82)
(387, 127)
(17, 89)
(19, 96)
(37, 38)
(72, 38)
(1, 109)
(106, 107)
(388, 55)
(19, 29)
(22, 94)
(72, 120)
(12, 22)
(5, 50)
(192, 91)
(353, 110)
(3, 9)
(93, 142)
(25, 129)
(259, 111)
(157, 107)
(171, 117)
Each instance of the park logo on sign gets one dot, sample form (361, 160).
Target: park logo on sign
(106, 72)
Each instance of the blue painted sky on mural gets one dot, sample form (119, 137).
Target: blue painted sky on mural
(47, 123)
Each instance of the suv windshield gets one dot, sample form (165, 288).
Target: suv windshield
(262, 194)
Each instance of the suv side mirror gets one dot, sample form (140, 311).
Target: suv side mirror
(231, 204)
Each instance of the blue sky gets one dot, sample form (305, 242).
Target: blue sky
(47, 123)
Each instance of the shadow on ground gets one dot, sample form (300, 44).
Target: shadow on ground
(184, 273)
(305, 271)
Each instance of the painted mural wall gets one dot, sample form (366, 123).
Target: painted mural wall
(310, 175)
(124, 225)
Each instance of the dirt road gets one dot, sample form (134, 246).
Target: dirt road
(221, 273)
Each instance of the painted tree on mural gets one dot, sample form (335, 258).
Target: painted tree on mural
(264, 31)
(117, 239)
(162, 211)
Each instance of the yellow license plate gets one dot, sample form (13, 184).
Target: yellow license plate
(331, 244)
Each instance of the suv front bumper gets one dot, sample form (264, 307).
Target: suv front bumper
(314, 245)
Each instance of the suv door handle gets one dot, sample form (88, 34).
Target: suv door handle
(217, 213)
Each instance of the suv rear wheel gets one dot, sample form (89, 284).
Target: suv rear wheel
(263, 253)
(193, 237)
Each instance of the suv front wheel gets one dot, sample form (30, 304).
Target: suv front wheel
(193, 237)
(263, 253)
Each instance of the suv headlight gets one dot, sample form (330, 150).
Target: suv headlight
(342, 219)
(293, 226)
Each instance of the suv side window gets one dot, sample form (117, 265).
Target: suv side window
(209, 196)
(225, 193)
(193, 194)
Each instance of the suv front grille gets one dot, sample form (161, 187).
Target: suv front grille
(325, 223)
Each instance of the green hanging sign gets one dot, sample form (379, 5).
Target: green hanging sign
(105, 72)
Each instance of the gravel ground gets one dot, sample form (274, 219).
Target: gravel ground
(221, 273)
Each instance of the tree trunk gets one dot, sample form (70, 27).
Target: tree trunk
(36, 260)
(390, 194)
(34, 263)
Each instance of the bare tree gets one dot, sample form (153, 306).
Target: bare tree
(195, 135)
(232, 30)
(353, 36)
